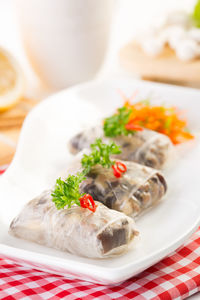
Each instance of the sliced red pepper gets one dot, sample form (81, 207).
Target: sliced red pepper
(116, 172)
(88, 202)
(2, 171)
(132, 126)
(121, 167)
(118, 169)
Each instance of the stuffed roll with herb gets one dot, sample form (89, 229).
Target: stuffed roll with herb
(137, 190)
(95, 234)
(138, 144)
(125, 186)
(145, 147)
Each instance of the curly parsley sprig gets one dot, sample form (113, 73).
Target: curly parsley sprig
(66, 192)
(120, 124)
(100, 155)
(116, 124)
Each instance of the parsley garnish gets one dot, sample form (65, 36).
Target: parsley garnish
(66, 192)
(116, 124)
(100, 155)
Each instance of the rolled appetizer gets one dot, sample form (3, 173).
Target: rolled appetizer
(125, 186)
(145, 147)
(145, 132)
(133, 193)
(95, 234)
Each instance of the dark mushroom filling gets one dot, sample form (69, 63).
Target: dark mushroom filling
(114, 237)
(118, 195)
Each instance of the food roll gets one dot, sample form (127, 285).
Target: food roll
(138, 189)
(146, 147)
(100, 234)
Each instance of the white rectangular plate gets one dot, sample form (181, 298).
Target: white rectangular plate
(42, 156)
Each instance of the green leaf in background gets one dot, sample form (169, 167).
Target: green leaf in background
(196, 14)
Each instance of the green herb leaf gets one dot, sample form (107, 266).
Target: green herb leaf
(196, 14)
(100, 155)
(115, 125)
(66, 192)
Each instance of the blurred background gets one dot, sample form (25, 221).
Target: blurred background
(61, 43)
(128, 17)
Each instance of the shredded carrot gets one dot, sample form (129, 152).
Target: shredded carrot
(166, 120)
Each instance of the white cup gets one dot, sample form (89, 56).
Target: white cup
(65, 40)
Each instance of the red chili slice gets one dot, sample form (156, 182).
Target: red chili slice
(118, 169)
(131, 126)
(121, 167)
(116, 172)
(88, 202)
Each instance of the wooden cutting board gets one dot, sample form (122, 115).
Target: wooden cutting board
(163, 68)
(10, 124)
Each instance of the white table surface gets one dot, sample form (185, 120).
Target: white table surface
(137, 16)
